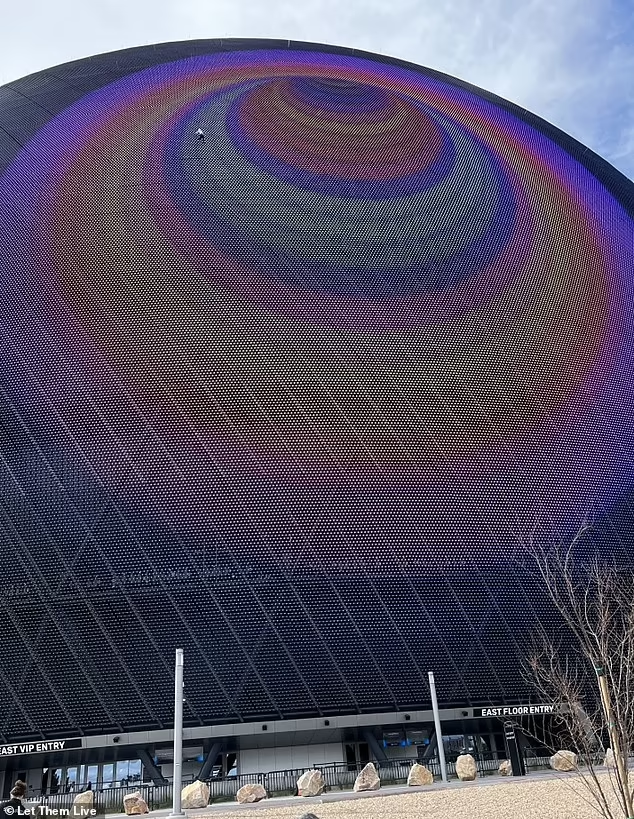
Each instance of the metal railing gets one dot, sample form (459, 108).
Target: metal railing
(337, 776)
(535, 762)
(110, 800)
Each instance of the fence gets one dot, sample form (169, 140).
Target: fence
(535, 762)
(337, 776)
(110, 800)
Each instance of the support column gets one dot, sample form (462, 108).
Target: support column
(148, 763)
(9, 778)
(494, 746)
(430, 750)
(207, 766)
(374, 745)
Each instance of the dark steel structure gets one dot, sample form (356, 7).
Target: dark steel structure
(294, 342)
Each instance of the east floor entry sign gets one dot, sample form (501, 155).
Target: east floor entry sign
(515, 711)
(24, 748)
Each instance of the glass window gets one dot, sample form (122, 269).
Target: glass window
(134, 770)
(107, 775)
(70, 783)
(90, 775)
(121, 778)
(128, 771)
(55, 780)
(232, 764)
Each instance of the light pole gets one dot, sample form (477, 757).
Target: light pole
(439, 740)
(177, 811)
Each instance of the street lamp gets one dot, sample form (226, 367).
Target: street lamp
(177, 811)
(439, 740)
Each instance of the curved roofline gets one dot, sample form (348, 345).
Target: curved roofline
(616, 182)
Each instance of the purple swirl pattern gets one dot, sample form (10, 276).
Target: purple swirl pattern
(364, 278)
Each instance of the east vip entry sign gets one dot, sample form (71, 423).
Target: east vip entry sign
(45, 747)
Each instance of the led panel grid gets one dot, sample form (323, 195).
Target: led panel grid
(285, 396)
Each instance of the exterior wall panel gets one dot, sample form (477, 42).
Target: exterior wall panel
(285, 397)
(256, 760)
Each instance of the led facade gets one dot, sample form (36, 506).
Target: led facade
(294, 341)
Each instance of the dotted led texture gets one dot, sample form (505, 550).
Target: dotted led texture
(286, 397)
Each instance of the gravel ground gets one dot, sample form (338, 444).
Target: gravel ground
(565, 798)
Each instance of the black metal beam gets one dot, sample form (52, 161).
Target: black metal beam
(429, 750)
(148, 763)
(374, 745)
(212, 754)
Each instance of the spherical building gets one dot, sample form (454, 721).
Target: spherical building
(295, 342)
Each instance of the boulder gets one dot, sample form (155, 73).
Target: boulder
(311, 783)
(563, 761)
(466, 769)
(505, 768)
(420, 775)
(251, 793)
(195, 795)
(308, 816)
(609, 759)
(134, 804)
(368, 779)
(82, 803)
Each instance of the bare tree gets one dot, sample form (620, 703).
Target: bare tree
(587, 670)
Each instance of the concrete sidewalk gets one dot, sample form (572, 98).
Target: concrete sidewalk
(307, 804)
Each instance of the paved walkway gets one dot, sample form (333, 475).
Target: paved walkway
(342, 796)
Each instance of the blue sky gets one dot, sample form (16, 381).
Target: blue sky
(570, 61)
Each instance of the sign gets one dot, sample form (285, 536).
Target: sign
(415, 737)
(513, 751)
(509, 730)
(515, 711)
(45, 747)
(392, 739)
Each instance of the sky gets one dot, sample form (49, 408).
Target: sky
(569, 61)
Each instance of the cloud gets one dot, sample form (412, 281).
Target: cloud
(570, 61)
